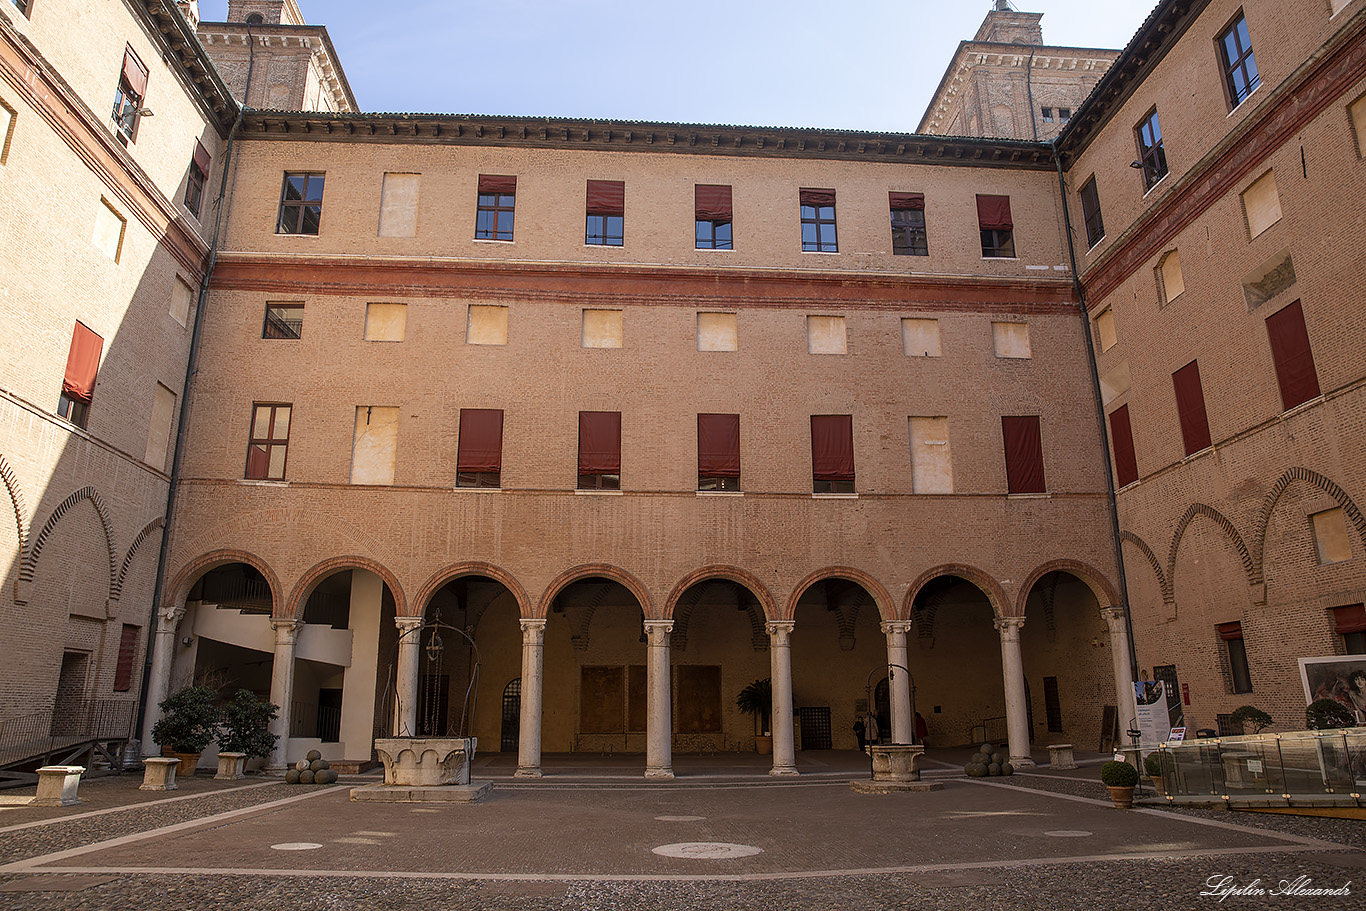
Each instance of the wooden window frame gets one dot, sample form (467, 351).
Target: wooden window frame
(817, 218)
(269, 442)
(278, 326)
(292, 218)
(909, 238)
(1232, 66)
(491, 207)
(1090, 212)
(1152, 155)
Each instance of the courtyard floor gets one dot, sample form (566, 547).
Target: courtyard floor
(593, 834)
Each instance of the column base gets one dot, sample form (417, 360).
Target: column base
(1023, 762)
(659, 774)
(784, 771)
(528, 773)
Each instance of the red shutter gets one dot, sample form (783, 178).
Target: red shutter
(599, 442)
(1190, 407)
(712, 202)
(134, 73)
(718, 445)
(493, 184)
(1122, 439)
(201, 157)
(1349, 619)
(993, 213)
(906, 200)
(606, 197)
(817, 197)
(1294, 358)
(1024, 454)
(481, 440)
(832, 447)
(128, 647)
(1230, 631)
(82, 363)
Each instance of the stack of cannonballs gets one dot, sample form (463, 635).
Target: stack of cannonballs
(987, 761)
(311, 770)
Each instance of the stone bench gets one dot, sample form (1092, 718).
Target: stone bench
(1060, 756)
(57, 786)
(159, 774)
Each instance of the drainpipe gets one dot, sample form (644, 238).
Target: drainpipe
(1100, 410)
(1029, 91)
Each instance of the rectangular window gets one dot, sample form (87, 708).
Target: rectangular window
(128, 98)
(1239, 675)
(1331, 540)
(1105, 329)
(826, 335)
(1011, 339)
(487, 325)
(78, 383)
(159, 428)
(22, 5)
(6, 130)
(385, 322)
(1047, 114)
(374, 445)
(1151, 158)
(1190, 408)
(1349, 622)
(1239, 65)
(497, 200)
(1064, 114)
(128, 649)
(301, 203)
(931, 460)
(908, 224)
(718, 332)
(198, 177)
(1294, 358)
(818, 221)
(1024, 454)
(479, 453)
(718, 452)
(832, 453)
(109, 230)
(1170, 276)
(996, 226)
(713, 213)
(269, 443)
(1262, 204)
(283, 320)
(599, 450)
(1122, 441)
(1090, 212)
(398, 205)
(181, 295)
(920, 337)
(1357, 111)
(601, 329)
(606, 213)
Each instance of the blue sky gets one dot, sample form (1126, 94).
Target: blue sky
(863, 64)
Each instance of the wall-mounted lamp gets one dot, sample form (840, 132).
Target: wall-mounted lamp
(1136, 164)
(187, 641)
(143, 112)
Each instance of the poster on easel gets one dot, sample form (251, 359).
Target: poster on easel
(1154, 719)
(1341, 678)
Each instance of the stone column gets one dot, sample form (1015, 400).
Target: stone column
(529, 731)
(282, 689)
(659, 725)
(1017, 711)
(159, 684)
(899, 683)
(1124, 677)
(405, 682)
(780, 670)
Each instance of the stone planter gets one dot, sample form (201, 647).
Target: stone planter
(188, 761)
(230, 766)
(57, 786)
(426, 762)
(1123, 797)
(897, 761)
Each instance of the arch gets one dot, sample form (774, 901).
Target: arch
(996, 595)
(1104, 592)
(1163, 584)
(885, 606)
(470, 568)
(298, 597)
(588, 570)
(176, 593)
(157, 523)
(1253, 573)
(1313, 479)
(734, 574)
(30, 565)
(16, 498)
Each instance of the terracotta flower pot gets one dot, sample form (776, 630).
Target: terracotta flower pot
(188, 762)
(1158, 786)
(763, 744)
(1123, 797)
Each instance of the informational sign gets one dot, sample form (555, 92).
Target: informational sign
(1154, 724)
(1177, 735)
(1338, 677)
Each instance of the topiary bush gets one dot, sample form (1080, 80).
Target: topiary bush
(246, 725)
(1116, 774)
(1249, 714)
(1157, 763)
(1326, 714)
(189, 720)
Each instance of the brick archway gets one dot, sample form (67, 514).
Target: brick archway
(1104, 593)
(605, 571)
(298, 597)
(471, 568)
(734, 574)
(190, 573)
(883, 600)
(996, 596)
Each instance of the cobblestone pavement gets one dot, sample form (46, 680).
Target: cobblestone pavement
(1037, 841)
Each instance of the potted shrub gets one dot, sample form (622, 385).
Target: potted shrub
(756, 699)
(1119, 779)
(246, 731)
(189, 723)
(1158, 764)
(1244, 715)
(1326, 714)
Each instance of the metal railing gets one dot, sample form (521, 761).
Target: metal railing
(989, 730)
(38, 734)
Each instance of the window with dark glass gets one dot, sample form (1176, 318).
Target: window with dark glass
(713, 215)
(599, 450)
(479, 454)
(22, 5)
(497, 199)
(198, 176)
(606, 213)
(718, 452)
(128, 98)
(1349, 622)
(832, 453)
(269, 442)
(1064, 114)
(1047, 114)
(1294, 359)
(908, 224)
(301, 204)
(996, 226)
(1151, 159)
(1239, 64)
(1090, 212)
(1239, 674)
(78, 383)
(818, 221)
(283, 321)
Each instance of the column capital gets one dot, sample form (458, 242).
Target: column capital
(657, 631)
(286, 629)
(1009, 627)
(169, 617)
(1113, 615)
(405, 624)
(780, 632)
(890, 627)
(533, 630)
